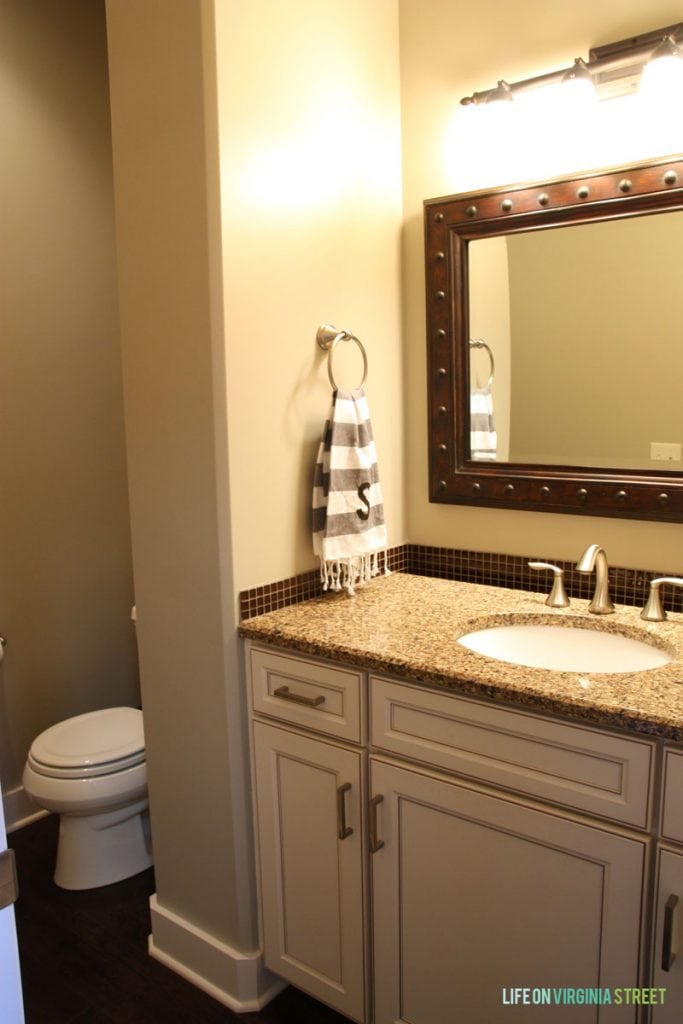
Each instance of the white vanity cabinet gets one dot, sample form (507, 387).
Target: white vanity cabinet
(476, 896)
(309, 809)
(503, 851)
(480, 892)
(667, 945)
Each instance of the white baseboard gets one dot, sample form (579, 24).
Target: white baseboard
(19, 809)
(237, 980)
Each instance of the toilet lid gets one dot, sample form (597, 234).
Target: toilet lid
(96, 743)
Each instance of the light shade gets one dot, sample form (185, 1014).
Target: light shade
(663, 74)
(578, 84)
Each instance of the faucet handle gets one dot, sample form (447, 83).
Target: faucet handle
(557, 598)
(653, 610)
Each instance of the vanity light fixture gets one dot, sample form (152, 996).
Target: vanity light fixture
(615, 69)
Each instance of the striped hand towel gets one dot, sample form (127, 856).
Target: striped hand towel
(349, 534)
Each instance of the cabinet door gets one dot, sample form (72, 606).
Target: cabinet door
(479, 899)
(309, 833)
(667, 970)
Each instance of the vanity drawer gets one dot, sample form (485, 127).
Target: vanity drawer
(573, 765)
(306, 693)
(672, 801)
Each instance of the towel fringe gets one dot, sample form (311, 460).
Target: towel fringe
(348, 573)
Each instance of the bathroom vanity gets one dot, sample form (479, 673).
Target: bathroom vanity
(445, 837)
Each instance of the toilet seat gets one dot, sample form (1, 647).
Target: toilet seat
(97, 743)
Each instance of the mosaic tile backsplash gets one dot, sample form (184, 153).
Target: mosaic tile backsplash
(627, 586)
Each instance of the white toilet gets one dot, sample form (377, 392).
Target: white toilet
(91, 771)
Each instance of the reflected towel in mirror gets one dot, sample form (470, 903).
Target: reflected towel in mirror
(483, 437)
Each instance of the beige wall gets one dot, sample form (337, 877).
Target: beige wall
(165, 178)
(310, 172)
(226, 392)
(65, 564)
(448, 50)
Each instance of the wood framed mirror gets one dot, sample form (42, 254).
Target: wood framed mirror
(555, 344)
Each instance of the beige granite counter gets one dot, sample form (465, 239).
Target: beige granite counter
(406, 626)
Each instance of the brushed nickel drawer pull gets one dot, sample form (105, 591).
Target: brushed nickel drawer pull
(375, 843)
(343, 830)
(668, 955)
(310, 702)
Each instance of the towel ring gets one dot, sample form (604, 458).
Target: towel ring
(478, 343)
(328, 338)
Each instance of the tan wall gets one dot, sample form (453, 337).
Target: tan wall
(310, 171)
(448, 50)
(165, 177)
(65, 564)
(308, 235)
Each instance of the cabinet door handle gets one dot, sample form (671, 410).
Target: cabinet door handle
(375, 843)
(343, 829)
(286, 694)
(668, 955)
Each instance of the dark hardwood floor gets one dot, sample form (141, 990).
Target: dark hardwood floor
(84, 954)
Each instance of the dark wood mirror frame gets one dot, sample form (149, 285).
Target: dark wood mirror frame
(450, 224)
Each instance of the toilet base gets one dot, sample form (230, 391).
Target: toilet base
(100, 849)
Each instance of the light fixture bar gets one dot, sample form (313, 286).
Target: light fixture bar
(614, 67)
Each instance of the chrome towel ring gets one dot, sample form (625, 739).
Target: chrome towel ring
(478, 343)
(328, 337)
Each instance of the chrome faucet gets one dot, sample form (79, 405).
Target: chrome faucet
(653, 610)
(594, 557)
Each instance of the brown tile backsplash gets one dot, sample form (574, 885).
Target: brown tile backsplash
(283, 593)
(627, 586)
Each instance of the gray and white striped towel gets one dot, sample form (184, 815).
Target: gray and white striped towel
(349, 535)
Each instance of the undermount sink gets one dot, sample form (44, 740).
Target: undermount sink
(565, 648)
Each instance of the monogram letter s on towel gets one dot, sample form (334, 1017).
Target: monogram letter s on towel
(363, 495)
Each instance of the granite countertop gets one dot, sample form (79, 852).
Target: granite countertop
(406, 626)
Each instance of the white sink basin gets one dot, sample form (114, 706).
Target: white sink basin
(565, 648)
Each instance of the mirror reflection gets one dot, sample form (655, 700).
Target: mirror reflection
(584, 326)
